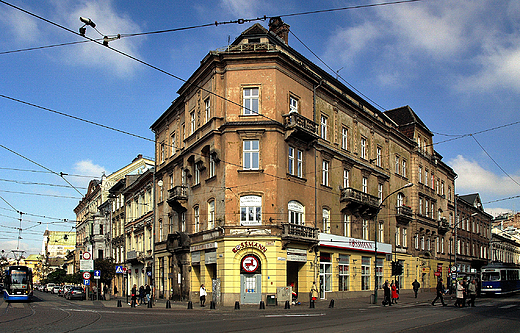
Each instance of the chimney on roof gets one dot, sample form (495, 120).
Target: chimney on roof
(279, 28)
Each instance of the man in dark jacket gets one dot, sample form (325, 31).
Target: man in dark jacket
(387, 293)
(440, 292)
(416, 285)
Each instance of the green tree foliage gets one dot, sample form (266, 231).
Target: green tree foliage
(57, 277)
(107, 268)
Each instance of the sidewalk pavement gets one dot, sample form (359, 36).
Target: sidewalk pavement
(406, 299)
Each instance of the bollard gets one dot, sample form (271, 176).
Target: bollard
(190, 305)
(331, 305)
(119, 304)
(237, 305)
(149, 304)
(262, 305)
(168, 304)
(212, 305)
(312, 304)
(287, 305)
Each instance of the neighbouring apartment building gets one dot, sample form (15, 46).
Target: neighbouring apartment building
(272, 173)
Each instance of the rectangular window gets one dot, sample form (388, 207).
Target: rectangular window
(347, 226)
(196, 174)
(211, 214)
(323, 127)
(293, 105)
(173, 144)
(381, 232)
(403, 169)
(363, 152)
(295, 162)
(162, 152)
(420, 175)
(326, 220)
(183, 222)
(212, 166)
(365, 273)
(207, 109)
(365, 229)
(192, 122)
(365, 185)
(416, 241)
(397, 164)
(290, 162)
(344, 138)
(251, 106)
(344, 272)
(325, 173)
(299, 164)
(196, 219)
(251, 154)
(380, 192)
(325, 276)
(250, 210)
(397, 236)
(379, 273)
(405, 239)
(346, 176)
(379, 157)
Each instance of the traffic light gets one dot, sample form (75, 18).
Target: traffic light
(394, 268)
(397, 268)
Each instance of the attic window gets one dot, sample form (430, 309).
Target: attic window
(253, 40)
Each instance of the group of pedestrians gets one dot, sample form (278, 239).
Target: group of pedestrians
(141, 295)
(465, 293)
(391, 293)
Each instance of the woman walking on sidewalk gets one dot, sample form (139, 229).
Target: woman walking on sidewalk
(395, 295)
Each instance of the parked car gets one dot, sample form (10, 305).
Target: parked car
(55, 289)
(48, 287)
(75, 293)
(63, 290)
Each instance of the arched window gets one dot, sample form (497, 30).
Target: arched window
(296, 212)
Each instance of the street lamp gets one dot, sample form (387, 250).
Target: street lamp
(375, 236)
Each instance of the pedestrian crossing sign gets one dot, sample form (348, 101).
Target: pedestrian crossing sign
(119, 269)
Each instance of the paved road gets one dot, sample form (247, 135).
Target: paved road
(50, 313)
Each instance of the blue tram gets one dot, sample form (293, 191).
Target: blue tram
(18, 284)
(499, 279)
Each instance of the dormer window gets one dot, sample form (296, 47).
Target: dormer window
(253, 40)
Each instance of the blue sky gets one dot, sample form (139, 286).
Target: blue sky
(455, 63)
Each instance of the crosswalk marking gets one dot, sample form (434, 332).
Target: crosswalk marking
(508, 306)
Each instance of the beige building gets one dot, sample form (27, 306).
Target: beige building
(271, 173)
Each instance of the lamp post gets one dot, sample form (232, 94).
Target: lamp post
(375, 236)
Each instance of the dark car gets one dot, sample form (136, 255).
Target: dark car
(75, 293)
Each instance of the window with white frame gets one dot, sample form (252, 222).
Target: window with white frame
(196, 218)
(397, 164)
(379, 272)
(162, 152)
(403, 168)
(211, 214)
(326, 220)
(346, 176)
(347, 225)
(293, 104)
(422, 243)
(251, 154)
(442, 245)
(296, 212)
(364, 185)
(365, 229)
(250, 210)
(344, 272)
(363, 152)
(251, 97)
(437, 245)
(173, 144)
(196, 174)
(325, 173)
(192, 122)
(397, 236)
(416, 241)
(183, 222)
(212, 166)
(426, 177)
(295, 162)
(379, 156)
(365, 273)
(380, 192)
(381, 232)
(323, 127)
(405, 238)
(207, 109)
(170, 224)
(419, 173)
(344, 138)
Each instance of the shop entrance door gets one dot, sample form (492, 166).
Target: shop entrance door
(251, 288)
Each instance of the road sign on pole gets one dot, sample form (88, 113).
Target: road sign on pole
(86, 282)
(97, 274)
(86, 275)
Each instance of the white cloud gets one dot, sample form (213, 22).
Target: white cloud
(474, 178)
(87, 168)
(497, 211)
(241, 8)
(8, 246)
(24, 28)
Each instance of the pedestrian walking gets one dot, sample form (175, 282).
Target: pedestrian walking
(465, 291)
(459, 293)
(203, 294)
(395, 295)
(416, 285)
(440, 292)
(472, 292)
(314, 291)
(148, 292)
(387, 294)
(141, 295)
(134, 296)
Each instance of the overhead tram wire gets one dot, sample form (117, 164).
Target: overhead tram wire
(41, 171)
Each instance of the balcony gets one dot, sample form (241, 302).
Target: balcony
(444, 225)
(403, 214)
(177, 196)
(299, 127)
(296, 232)
(360, 204)
(134, 256)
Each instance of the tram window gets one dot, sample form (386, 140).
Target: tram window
(503, 275)
(491, 276)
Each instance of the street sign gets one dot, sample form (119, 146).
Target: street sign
(97, 275)
(86, 256)
(86, 265)
(149, 273)
(86, 275)
(86, 282)
(119, 270)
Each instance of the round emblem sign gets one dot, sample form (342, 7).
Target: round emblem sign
(86, 255)
(250, 264)
(86, 275)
